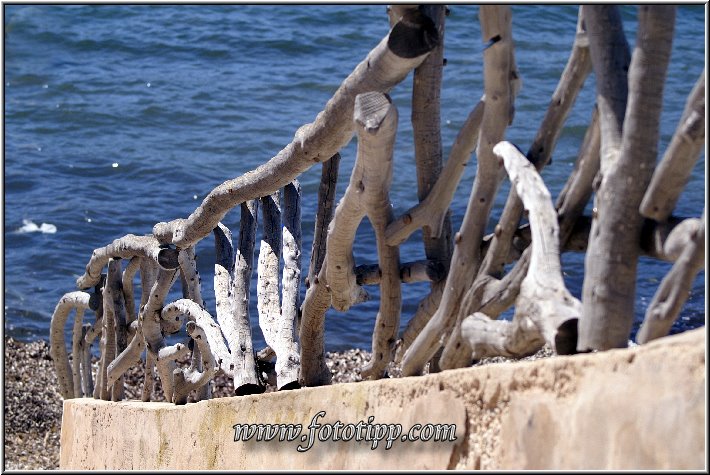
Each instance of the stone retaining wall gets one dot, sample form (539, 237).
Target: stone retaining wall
(638, 408)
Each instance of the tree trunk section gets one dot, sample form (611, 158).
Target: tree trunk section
(626, 165)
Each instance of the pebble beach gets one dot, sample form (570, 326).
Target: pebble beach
(33, 404)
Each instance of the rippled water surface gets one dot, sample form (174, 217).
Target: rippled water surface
(117, 117)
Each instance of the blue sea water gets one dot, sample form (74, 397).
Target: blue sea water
(117, 117)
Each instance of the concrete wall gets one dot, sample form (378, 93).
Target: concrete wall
(640, 408)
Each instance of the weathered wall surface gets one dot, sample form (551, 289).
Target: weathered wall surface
(640, 408)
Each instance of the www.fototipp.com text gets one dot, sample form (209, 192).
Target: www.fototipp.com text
(375, 434)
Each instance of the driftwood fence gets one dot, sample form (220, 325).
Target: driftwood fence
(457, 322)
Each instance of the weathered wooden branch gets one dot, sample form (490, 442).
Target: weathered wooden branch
(496, 30)
(57, 345)
(208, 336)
(127, 247)
(96, 304)
(545, 310)
(403, 49)
(428, 155)
(237, 331)
(425, 310)
(150, 324)
(491, 296)
(127, 285)
(188, 269)
(87, 382)
(675, 287)
(275, 325)
(579, 186)
(578, 67)
(191, 284)
(288, 362)
(149, 377)
(431, 212)
(628, 154)
(494, 260)
(324, 214)
(114, 295)
(108, 342)
(376, 121)
(149, 274)
(130, 356)
(426, 126)
(344, 290)
(195, 378)
(673, 172)
(228, 320)
(314, 371)
(78, 333)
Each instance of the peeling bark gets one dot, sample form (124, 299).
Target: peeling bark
(673, 172)
(676, 285)
(126, 247)
(57, 349)
(404, 48)
(628, 155)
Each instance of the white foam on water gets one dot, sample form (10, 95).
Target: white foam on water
(29, 226)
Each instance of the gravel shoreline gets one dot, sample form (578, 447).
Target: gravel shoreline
(33, 405)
